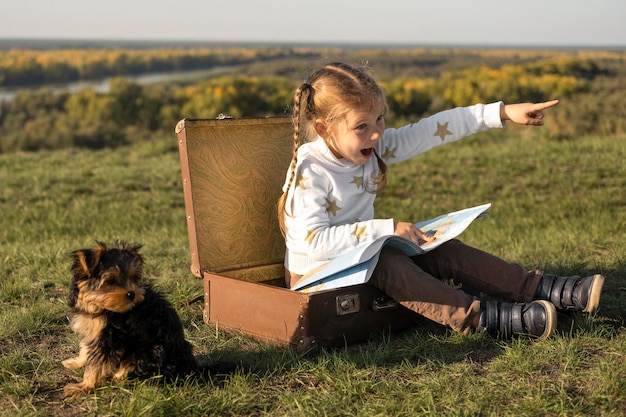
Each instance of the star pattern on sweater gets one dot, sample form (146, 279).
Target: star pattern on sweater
(310, 235)
(300, 180)
(389, 153)
(358, 181)
(442, 131)
(331, 207)
(360, 232)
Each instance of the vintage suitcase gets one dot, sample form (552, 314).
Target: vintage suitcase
(232, 174)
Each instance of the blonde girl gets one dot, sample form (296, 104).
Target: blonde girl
(341, 153)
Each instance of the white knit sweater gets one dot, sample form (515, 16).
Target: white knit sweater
(329, 210)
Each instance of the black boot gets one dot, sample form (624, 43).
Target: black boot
(504, 320)
(571, 293)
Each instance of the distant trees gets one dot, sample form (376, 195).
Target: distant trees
(46, 120)
(591, 92)
(238, 97)
(130, 112)
(532, 82)
(33, 67)
(28, 122)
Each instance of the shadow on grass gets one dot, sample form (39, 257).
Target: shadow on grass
(428, 342)
(233, 357)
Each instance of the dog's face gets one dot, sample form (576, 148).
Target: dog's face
(107, 279)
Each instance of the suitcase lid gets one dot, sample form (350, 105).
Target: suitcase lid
(233, 171)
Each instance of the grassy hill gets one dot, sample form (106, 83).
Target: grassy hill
(557, 205)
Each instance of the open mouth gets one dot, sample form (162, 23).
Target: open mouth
(367, 152)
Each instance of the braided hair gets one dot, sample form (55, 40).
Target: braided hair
(329, 94)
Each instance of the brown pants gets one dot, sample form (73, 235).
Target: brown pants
(417, 282)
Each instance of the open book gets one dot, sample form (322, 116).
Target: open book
(356, 266)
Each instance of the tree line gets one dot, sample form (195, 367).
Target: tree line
(591, 91)
(21, 68)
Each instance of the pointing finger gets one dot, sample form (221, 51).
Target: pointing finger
(545, 105)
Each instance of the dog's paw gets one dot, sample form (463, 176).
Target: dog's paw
(122, 372)
(73, 363)
(75, 390)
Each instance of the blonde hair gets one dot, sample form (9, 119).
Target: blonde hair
(329, 94)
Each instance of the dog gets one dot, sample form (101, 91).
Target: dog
(125, 327)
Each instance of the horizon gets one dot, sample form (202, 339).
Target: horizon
(71, 43)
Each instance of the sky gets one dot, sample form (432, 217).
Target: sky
(415, 22)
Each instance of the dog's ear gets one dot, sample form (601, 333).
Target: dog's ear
(85, 262)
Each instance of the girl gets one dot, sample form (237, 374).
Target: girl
(341, 152)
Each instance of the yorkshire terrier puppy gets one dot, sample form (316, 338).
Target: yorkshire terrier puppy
(126, 329)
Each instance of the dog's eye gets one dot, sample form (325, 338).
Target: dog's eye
(108, 279)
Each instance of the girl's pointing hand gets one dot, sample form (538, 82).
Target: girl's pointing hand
(526, 113)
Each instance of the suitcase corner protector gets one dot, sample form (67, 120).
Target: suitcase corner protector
(307, 345)
(180, 126)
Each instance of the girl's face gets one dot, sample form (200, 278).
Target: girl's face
(356, 138)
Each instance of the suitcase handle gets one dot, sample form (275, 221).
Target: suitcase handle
(384, 303)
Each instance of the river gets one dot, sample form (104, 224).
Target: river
(102, 86)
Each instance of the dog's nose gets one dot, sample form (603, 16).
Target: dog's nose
(131, 295)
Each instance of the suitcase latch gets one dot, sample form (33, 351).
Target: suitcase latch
(348, 304)
(384, 303)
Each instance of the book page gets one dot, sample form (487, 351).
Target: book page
(356, 267)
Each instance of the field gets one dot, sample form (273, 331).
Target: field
(559, 205)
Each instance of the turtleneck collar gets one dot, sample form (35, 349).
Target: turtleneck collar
(321, 147)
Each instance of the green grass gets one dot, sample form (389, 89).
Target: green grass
(557, 205)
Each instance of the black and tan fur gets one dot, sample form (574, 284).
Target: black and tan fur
(126, 329)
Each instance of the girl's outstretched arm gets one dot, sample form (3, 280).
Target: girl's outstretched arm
(526, 113)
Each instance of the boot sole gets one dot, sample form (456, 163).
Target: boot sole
(594, 294)
(550, 319)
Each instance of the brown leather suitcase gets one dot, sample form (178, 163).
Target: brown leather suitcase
(232, 173)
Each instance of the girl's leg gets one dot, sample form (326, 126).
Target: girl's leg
(481, 271)
(400, 278)
(416, 289)
(508, 281)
